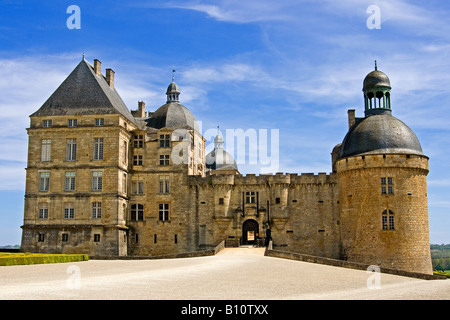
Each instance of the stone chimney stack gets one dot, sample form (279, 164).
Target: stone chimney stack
(110, 77)
(141, 109)
(97, 67)
(351, 117)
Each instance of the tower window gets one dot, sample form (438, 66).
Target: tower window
(387, 185)
(387, 220)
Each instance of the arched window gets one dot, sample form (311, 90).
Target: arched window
(387, 220)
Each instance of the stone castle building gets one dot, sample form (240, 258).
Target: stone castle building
(104, 180)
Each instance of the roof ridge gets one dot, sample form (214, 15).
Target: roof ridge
(80, 94)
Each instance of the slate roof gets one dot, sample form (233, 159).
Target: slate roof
(380, 134)
(84, 93)
(172, 115)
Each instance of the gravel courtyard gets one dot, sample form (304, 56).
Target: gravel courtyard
(232, 274)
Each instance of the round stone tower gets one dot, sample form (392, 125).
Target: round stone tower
(382, 187)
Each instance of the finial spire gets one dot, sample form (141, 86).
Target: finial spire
(173, 75)
(376, 67)
(83, 55)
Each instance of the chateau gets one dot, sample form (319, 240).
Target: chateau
(107, 181)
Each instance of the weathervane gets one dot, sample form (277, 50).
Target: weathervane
(376, 68)
(173, 75)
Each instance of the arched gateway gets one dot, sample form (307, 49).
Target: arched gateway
(250, 231)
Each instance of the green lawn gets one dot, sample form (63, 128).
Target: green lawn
(12, 258)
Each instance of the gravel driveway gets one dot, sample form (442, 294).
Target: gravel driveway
(232, 274)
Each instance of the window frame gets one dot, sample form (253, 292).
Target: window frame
(164, 140)
(44, 181)
(97, 180)
(96, 210)
(70, 181)
(163, 212)
(164, 160)
(98, 149)
(46, 150)
(250, 197)
(71, 149)
(388, 220)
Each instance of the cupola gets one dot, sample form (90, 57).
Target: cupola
(377, 93)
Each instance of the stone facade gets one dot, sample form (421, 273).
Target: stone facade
(105, 181)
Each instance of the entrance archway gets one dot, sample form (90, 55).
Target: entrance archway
(250, 231)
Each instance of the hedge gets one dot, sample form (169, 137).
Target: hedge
(10, 259)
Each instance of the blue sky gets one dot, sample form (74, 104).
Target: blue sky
(290, 65)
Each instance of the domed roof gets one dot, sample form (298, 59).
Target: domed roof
(173, 88)
(219, 159)
(172, 115)
(376, 79)
(380, 134)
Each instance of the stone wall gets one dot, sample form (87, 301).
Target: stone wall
(405, 244)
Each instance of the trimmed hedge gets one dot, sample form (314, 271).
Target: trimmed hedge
(10, 259)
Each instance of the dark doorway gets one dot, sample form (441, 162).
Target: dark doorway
(250, 232)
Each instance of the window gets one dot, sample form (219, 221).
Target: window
(64, 237)
(96, 210)
(98, 148)
(47, 123)
(71, 150)
(97, 180)
(70, 181)
(43, 210)
(164, 141)
(69, 211)
(137, 212)
(176, 239)
(99, 122)
(387, 185)
(139, 141)
(124, 182)
(41, 237)
(163, 212)
(96, 237)
(125, 152)
(72, 122)
(46, 150)
(44, 181)
(277, 200)
(250, 197)
(387, 220)
(137, 186)
(164, 160)
(221, 201)
(163, 184)
(137, 160)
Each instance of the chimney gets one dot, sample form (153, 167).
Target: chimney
(110, 77)
(351, 117)
(97, 67)
(141, 109)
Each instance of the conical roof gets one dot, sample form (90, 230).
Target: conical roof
(84, 92)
